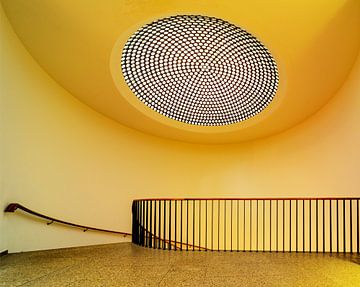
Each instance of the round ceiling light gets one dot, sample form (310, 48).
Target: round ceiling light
(199, 70)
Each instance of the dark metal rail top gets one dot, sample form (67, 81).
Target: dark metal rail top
(12, 207)
(248, 198)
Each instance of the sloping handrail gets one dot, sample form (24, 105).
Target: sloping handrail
(12, 207)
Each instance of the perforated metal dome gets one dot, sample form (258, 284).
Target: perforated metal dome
(199, 70)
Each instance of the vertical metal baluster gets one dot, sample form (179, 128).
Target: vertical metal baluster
(151, 230)
(323, 205)
(169, 243)
(159, 224)
(193, 244)
(317, 228)
(199, 224)
(212, 225)
(225, 225)
(330, 229)
(351, 247)
(175, 202)
(244, 223)
(143, 224)
(231, 225)
(296, 217)
(187, 225)
(218, 225)
(250, 226)
(264, 225)
(290, 203)
(238, 225)
(146, 223)
(206, 224)
(133, 222)
(357, 227)
(277, 225)
(139, 222)
(310, 226)
(270, 203)
(303, 224)
(337, 226)
(283, 222)
(164, 242)
(154, 223)
(257, 225)
(181, 224)
(344, 225)
(134, 210)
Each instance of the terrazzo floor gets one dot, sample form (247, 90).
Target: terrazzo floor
(125, 264)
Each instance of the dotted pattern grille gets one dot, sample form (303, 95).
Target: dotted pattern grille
(199, 70)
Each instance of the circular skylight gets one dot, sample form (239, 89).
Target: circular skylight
(199, 70)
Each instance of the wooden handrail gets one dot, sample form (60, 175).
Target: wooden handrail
(12, 207)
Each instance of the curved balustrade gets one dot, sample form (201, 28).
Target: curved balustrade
(12, 207)
(248, 224)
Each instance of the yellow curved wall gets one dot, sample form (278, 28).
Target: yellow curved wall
(62, 158)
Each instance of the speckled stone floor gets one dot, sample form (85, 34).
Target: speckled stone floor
(125, 264)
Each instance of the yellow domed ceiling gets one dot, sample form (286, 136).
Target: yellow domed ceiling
(79, 43)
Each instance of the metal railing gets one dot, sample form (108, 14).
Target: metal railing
(248, 224)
